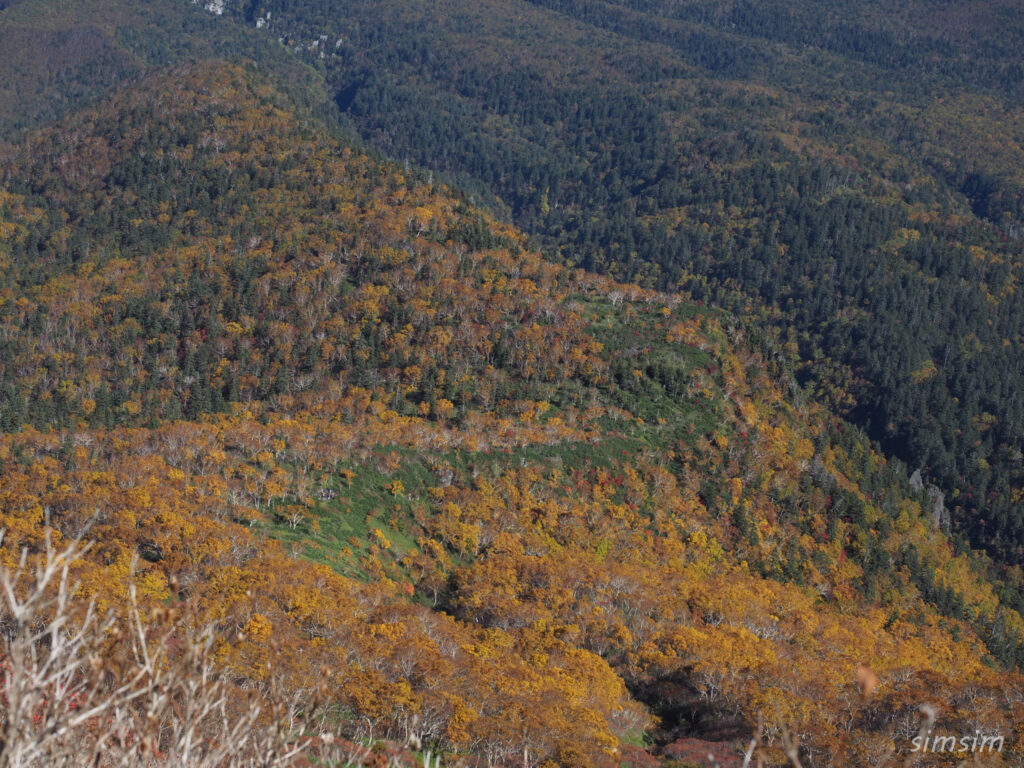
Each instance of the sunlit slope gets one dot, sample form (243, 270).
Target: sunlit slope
(846, 175)
(385, 447)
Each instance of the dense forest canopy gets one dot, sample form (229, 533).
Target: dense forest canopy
(401, 457)
(847, 176)
(361, 428)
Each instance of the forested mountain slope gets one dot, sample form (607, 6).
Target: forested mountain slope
(57, 56)
(521, 512)
(846, 175)
(848, 178)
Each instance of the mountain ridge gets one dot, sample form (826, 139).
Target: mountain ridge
(413, 461)
(841, 180)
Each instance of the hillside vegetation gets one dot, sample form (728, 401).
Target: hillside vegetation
(465, 497)
(59, 56)
(846, 176)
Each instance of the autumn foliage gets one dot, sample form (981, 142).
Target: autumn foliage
(484, 503)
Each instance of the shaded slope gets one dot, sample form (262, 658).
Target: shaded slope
(57, 58)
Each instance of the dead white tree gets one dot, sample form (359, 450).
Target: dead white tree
(81, 688)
